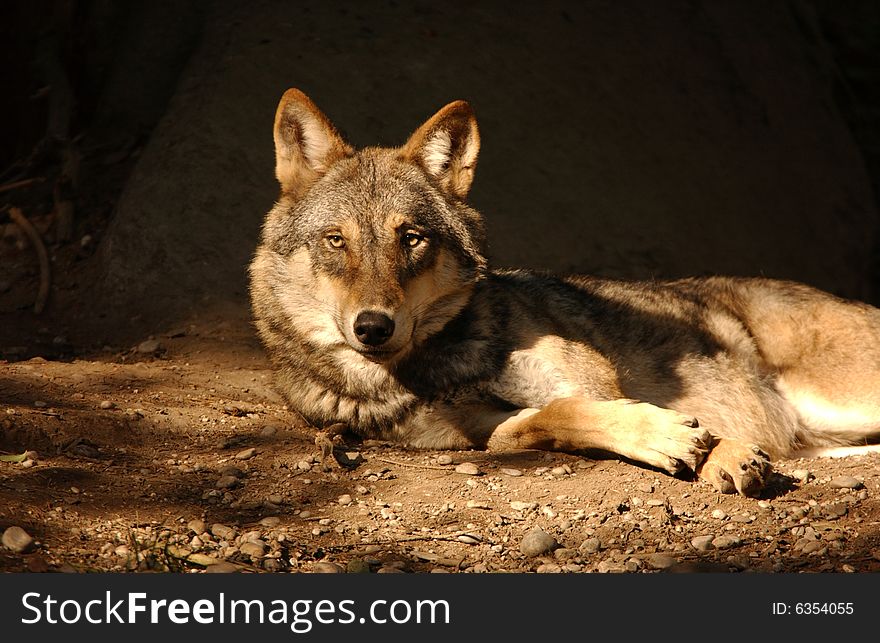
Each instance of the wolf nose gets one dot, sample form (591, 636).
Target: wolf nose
(372, 328)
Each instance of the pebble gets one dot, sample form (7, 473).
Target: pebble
(344, 500)
(536, 541)
(327, 568)
(149, 346)
(253, 549)
(549, 568)
(660, 561)
(610, 567)
(18, 540)
(270, 521)
(801, 474)
(519, 505)
(226, 482)
(444, 459)
(107, 404)
(702, 543)
(390, 570)
(468, 469)
(247, 454)
(645, 487)
(718, 514)
(303, 465)
(222, 531)
(197, 526)
(591, 545)
(845, 482)
(222, 567)
(468, 539)
(202, 559)
(558, 472)
(726, 542)
(357, 566)
(813, 546)
(564, 553)
(513, 473)
(478, 504)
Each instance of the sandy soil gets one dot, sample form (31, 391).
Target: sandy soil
(174, 453)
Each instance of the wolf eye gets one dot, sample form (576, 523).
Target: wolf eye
(412, 239)
(336, 240)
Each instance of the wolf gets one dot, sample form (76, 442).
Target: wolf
(371, 293)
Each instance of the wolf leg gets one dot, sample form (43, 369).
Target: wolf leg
(733, 466)
(656, 436)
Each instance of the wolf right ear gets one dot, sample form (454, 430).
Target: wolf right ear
(446, 147)
(306, 143)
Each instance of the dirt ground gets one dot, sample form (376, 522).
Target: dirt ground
(174, 453)
(162, 446)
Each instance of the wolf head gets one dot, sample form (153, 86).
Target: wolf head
(371, 251)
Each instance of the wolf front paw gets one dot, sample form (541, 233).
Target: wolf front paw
(735, 467)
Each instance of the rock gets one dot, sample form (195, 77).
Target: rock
(344, 499)
(468, 469)
(231, 470)
(202, 559)
(468, 539)
(197, 526)
(564, 553)
(645, 487)
(268, 431)
(327, 568)
(590, 546)
(478, 504)
(149, 346)
(549, 568)
(247, 454)
(270, 521)
(357, 566)
(226, 482)
(702, 543)
(303, 465)
(18, 540)
(536, 541)
(558, 472)
(107, 404)
(222, 531)
(390, 570)
(444, 459)
(726, 541)
(222, 567)
(610, 567)
(519, 505)
(253, 549)
(718, 514)
(801, 474)
(836, 510)
(845, 482)
(513, 473)
(660, 561)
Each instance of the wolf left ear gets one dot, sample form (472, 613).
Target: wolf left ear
(306, 143)
(446, 147)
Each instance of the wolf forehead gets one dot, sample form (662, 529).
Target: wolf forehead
(377, 193)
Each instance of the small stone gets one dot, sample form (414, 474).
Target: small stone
(253, 549)
(149, 346)
(478, 504)
(202, 559)
(645, 487)
(802, 475)
(344, 500)
(226, 482)
(726, 541)
(718, 514)
(513, 473)
(107, 405)
(549, 568)
(444, 459)
(519, 505)
(268, 431)
(468, 539)
(590, 546)
(836, 510)
(327, 568)
(40, 404)
(536, 541)
(222, 531)
(610, 567)
(303, 465)
(564, 553)
(275, 499)
(247, 454)
(845, 482)
(197, 526)
(390, 570)
(468, 469)
(702, 543)
(222, 567)
(812, 546)
(18, 540)
(660, 561)
(357, 566)
(558, 472)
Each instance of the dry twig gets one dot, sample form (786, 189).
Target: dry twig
(34, 236)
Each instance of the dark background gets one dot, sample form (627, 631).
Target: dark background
(630, 139)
